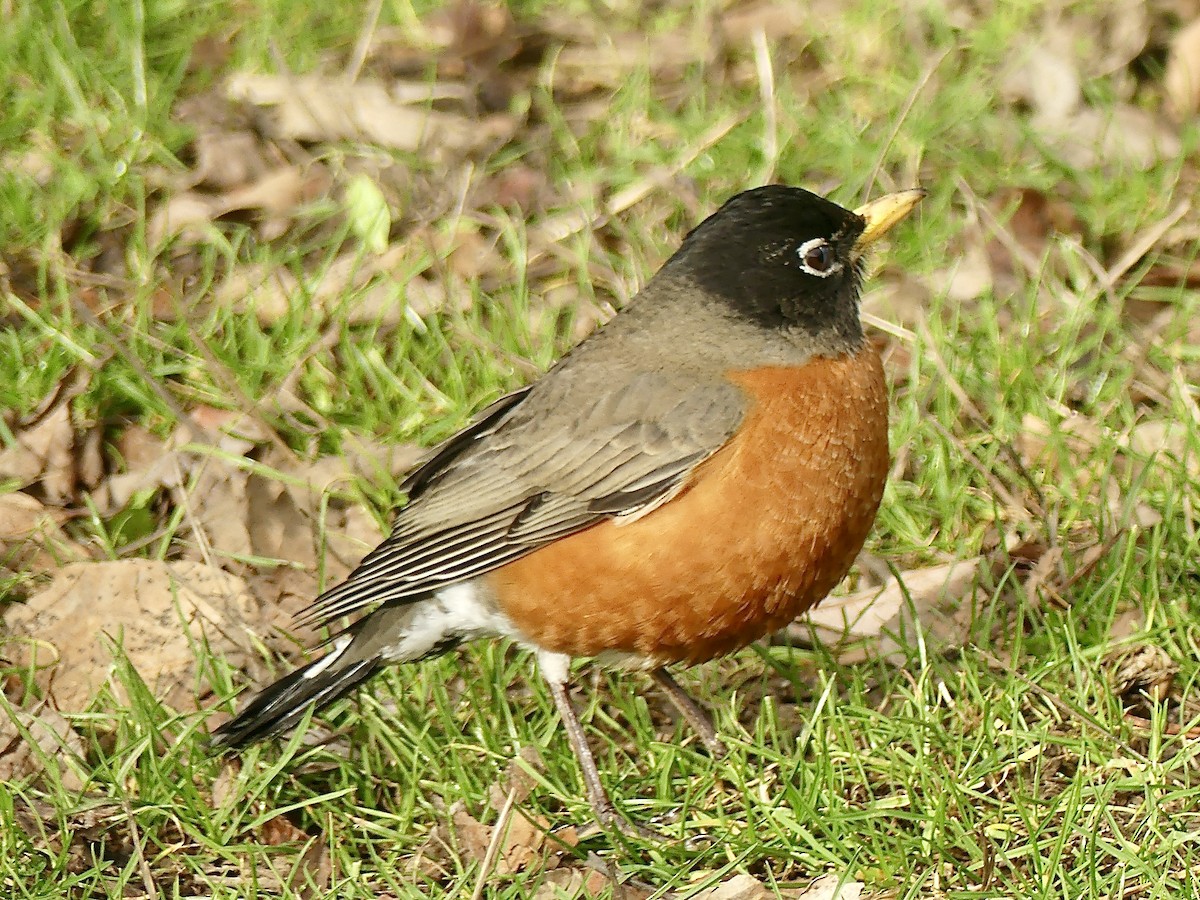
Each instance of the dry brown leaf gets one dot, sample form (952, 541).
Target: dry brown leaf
(274, 197)
(517, 185)
(90, 463)
(1048, 80)
(1018, 244)
(149, 463)
(31, 741)
(969, 275)
(584, 68)
(349, 283)
(1123, 133)
(188, 215)
(739, 887)
(44, 453)
(1181, 81)
(524, 843)
(227, 159)
(1165, 440)
(23, 517)
(284, 592)
(1061, 447)
(936, 600)
(517, 778)
(319, 108)
(279, 830)
(278, 192)
(576, 882)
(223, 785)
(1145, 668)
(154, 610)
(313, 871)
(1072, 447)
(1036, 217)
(283, 514)
(88, 834)
(227, 151)
(777, 21)
(471, 836)
(31, 539)
(827, 887)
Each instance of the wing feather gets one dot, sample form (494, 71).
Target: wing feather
(534, 467)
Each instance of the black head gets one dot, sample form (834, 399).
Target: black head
(783, 256)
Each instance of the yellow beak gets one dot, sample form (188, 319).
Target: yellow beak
(885, 212)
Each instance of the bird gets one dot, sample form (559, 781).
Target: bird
(689, 478)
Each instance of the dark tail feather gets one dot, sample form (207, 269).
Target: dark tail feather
(280, 706)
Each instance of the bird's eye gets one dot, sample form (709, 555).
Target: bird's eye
(816, 258)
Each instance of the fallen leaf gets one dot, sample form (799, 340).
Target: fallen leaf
(217, 506)
(366, 289)
(1145, 668)
(935, 600)
(777, 21)
(739, 887)
(517, 185)
(1120, 134)
(1181, 80)
(1037, 217)
(226, 160)
(45, 454)
(274, 198)
(317, 108)
(32, 741)
(32, 540)
(188, 214)
(517, 778)
(227, 151)
(90, 463)
(582, 882)
(91, 832)
(1047, 79)
(279, 830)
(23, 517)
(147, 462)
(1164, 440)
(586, 68)
(471, 836)
(524, 843)
(969, 276)
(313, 871)
(223, 794)
(156, 611)
(1064, 446)
(827, 887)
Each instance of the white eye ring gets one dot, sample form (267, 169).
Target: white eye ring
(808, 247)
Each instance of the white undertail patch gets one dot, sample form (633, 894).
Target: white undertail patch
(461, 612)
(339, 647)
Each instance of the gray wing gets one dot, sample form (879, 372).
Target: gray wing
(534, 467)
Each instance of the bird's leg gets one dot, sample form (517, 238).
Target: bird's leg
(695, 714)
(554, 671)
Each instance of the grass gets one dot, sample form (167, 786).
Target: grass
(1009, 768)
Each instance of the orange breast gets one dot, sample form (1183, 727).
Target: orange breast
(765, 528)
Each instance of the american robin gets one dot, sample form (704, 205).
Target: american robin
(693, 476)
